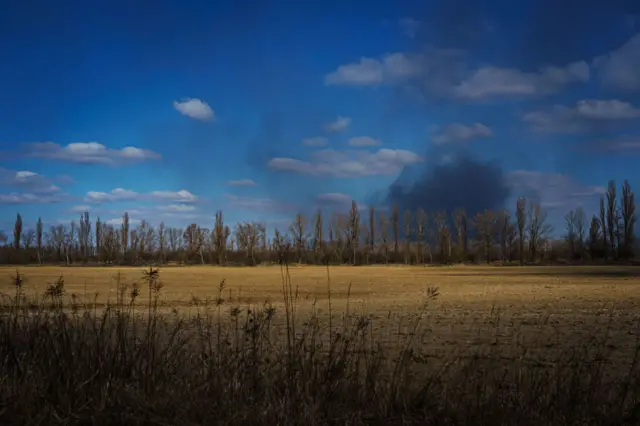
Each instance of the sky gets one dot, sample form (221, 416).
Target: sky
(172, 110)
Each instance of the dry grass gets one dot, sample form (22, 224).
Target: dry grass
(496, 346)
(478, 306)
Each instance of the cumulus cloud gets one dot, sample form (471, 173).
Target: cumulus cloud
(552, 190)
(622, 145)
(30, 198)
(409, 26)
(348, 164)
(364, 141)
(391, 68)
(27, 180)
(338, 125)
(458, 132)
(241, 182)
(81, 208)
(90, 153)
(194, 108)
(34, 188)
(620, 68)
(182, 196)
(317, 141)
(490, 82)
(177, 208)
(120, 194)
(445, 72)
(583, 116)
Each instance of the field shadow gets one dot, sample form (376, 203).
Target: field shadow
(617, 273)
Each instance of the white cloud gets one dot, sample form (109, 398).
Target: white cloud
(606, 110)
(620, 69)
(458, 132)
(317, 141)
(391, 68)
(194, 108)
(444, 72)
(27, 180)
(552, 190)
(29, 198)
(80, 208)
(409, 26)
(491, 82)
(177, 208)
(182, 196)
(363, 141)
(120, 194)
(581, 117)
(623, 145)
(334, 163)
(338, 125)
(241, 182)
(90, 153)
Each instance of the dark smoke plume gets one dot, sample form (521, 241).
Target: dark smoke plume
(460, 181)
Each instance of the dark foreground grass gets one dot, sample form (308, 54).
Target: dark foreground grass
(66, 363)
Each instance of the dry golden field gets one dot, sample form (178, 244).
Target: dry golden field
(530, 312)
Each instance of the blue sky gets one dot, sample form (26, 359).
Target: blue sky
(172, 110)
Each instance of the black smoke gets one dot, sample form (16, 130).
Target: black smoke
(458, 181)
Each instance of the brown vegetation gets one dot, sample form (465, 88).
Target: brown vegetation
(289, 346)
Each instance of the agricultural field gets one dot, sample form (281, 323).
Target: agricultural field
(530, 312)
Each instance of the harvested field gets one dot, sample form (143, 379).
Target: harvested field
(533, 312)
(554, 346)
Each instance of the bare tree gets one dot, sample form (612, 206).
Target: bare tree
(408, 230)
(485, 223)
(461, 224)
(372, 228)
(39, 240)
(612, 217)
(628, 211)
(595, 237)
(245, 239)
(69, 241)
(512, 236)
(384, 235)
(504, 219)
(318, 232)
(193, 240)
(84, 233)
(99, 236)
(219, 238)
(28, 239)
(395, 219)
(521, 223)
(124, 239)
(354, 229)
(570, 225)
(17, 232)
(538, 230)
(603, 226)
(421, 224)
(580, 226)
(299, 231)
(443, 236)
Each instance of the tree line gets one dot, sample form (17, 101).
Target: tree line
(372, 236)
